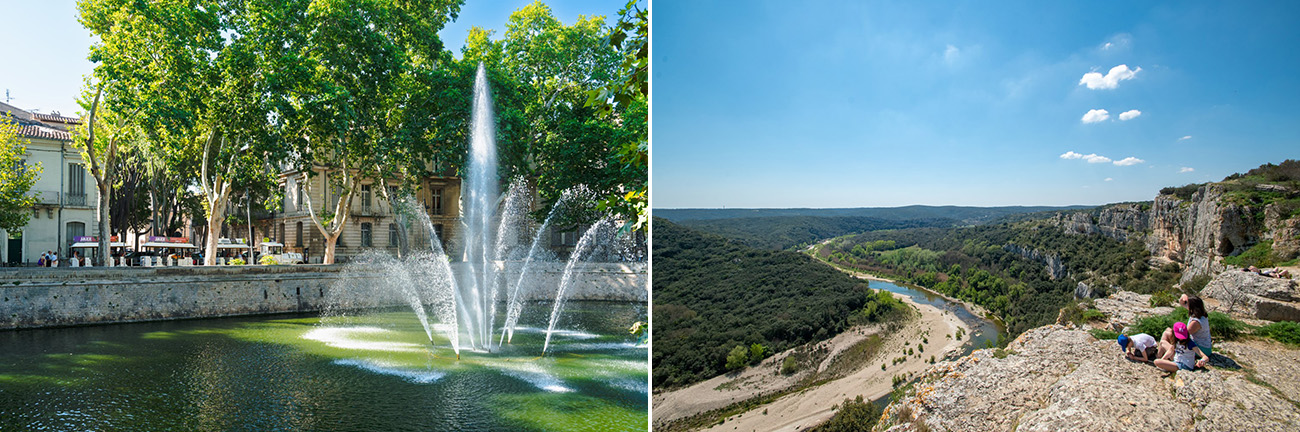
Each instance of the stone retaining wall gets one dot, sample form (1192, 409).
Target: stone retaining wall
(46, 297)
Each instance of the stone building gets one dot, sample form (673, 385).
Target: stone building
(371, 223)
(65, 192)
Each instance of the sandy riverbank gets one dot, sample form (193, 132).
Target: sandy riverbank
(809, 407)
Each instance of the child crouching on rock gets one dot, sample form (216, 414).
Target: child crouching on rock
(1140, 347)
(1183, 354)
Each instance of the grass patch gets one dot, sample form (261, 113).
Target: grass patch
(1286, 332)
(1103, 334)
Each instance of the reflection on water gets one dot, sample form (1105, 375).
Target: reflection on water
(984, 331)
(361, 372)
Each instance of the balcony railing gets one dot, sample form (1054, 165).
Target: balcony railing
(77, 200)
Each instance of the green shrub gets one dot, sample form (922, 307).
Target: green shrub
(1163, 298)
(756, 352)
(1286, 332)
(1103, 334)
(1222, 327)
(1195, 285)
(737, 358)
(855, 415)
(1094, 315)
(1260, 255)
(237, 261)
(267, 260)
(790, 365)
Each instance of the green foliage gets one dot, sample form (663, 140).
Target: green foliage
(790, 365)
(854, 415)
(1094, 315)
(1287, 332)
(737, 358)
(1103, 334)
(237, 261)
(1223, 327)
(1260, 255)
(784, 232)
(711, 294)
(267, 260)
(1195, 285)
(756, 352)
(1163, 298)
(1155, 325)
(1182, 192)
(16, 178)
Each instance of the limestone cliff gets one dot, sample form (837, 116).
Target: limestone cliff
(1197, 231)
(1054, 266)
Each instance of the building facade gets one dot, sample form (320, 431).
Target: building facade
(371, 224)
(65, 192)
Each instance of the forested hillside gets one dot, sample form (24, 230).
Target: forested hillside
(785, 232)
(712, 294)
(1007, 268)
(966, 215)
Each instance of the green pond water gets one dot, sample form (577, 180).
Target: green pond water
(372, 371)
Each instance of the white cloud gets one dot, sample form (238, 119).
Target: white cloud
(1129, 161)
(1186, 170)
(1109, 179)
(1185, 137)
(1096, 115)
(1095, 80)
(1091, 158)
(1107, 46)
(950, 54)
(1129, 115)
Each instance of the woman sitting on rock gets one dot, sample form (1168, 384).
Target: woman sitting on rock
(1198, 324)
(1184, 354)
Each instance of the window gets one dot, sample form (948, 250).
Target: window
(75, 229)
(435, 201)
(76, 185)
(366, 235)
(437, 230)
(280, 238)
(365, 199)
(297, 238)
(392, 234)
(297, 203)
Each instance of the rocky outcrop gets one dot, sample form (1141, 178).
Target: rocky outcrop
(1054, 266)
(1284, 232)
(1126, 307)
(1119, 221)
(1055, 378)
(1082, 291)
(1198, 231)
(1249, 295)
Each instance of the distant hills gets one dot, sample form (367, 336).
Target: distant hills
(964, 215)
(788, 228)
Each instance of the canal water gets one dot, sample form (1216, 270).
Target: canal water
(367, 372)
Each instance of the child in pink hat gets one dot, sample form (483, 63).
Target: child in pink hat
(1184, 353)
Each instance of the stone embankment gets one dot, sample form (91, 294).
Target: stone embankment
(1252, 296)
(49, 297)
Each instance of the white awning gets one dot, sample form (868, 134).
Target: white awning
(169, 245)
(271, 244)
(232, 246)
(79, 245)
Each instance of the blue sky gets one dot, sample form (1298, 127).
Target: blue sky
(45, 48)
(866, 104)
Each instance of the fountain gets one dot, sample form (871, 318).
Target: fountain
(501, 250)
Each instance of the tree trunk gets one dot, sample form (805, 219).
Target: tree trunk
(216, 216)
(105, 233)
(331, 243)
